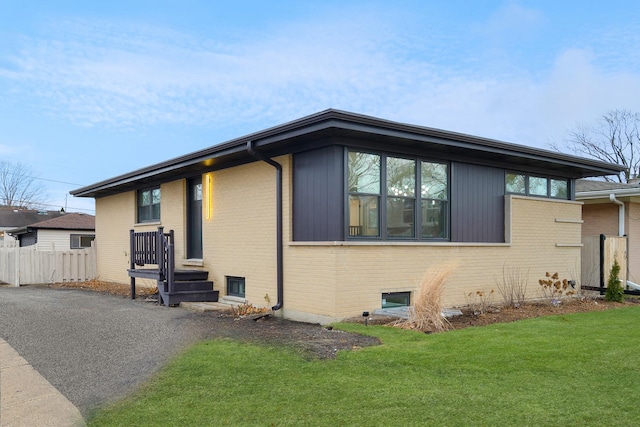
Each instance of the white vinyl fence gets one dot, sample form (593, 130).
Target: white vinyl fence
(35, 264)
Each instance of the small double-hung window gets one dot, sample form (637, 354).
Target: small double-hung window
(149, 205)
(434, 192)
(364, 194)
(401, 197)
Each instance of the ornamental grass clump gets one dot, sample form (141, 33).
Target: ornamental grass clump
(426, 313)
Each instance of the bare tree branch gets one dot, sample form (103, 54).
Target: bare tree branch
(19, 187)
(615, 138)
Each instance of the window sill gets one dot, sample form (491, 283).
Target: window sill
(144, 224)
(399, 243)
(192, 262)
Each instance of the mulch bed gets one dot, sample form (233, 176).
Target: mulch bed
(316, 341)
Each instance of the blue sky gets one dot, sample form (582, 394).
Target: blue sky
(90, 90)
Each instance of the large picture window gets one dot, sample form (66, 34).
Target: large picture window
(413, 204)
(149, 205)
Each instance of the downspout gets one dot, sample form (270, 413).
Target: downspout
(612, 197)
(279, 269)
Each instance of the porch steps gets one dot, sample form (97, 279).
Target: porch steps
(188, 286)
(180, 275)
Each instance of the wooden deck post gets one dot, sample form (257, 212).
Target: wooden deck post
(132, 263)
(171, 263)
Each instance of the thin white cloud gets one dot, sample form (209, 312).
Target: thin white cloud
(6, 150)
(130, 75)
(511, 21)
(123, 77)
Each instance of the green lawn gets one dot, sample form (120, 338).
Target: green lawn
(573, 370)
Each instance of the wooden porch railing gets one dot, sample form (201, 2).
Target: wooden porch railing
(152, 247)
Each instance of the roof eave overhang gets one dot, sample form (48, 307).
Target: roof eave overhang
(283, 138)
(19, 231)
(604, 194)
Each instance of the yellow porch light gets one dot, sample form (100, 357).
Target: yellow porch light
(208, 207)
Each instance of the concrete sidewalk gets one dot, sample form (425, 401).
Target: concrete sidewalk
(28, 399)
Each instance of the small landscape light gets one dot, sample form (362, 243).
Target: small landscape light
(365, 314)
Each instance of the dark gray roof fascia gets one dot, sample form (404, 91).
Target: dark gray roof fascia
(337, 119)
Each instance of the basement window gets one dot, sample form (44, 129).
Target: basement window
(396, 299)
(235, 286)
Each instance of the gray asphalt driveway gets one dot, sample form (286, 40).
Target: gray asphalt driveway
(94, 347)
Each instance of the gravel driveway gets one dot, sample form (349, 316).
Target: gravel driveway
(96, 347)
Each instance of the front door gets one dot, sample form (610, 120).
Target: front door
(194, 218)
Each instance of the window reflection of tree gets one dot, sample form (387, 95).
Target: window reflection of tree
(364, 194)
(434, 193)
(364, 173)
(401, 183)
(400, 177)
(404, 192)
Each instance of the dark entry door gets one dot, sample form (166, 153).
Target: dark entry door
(194, 218)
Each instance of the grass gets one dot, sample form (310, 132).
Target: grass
(580, 369)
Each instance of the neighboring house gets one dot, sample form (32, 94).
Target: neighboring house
(366, 206)
(65, 232)
(613, 209)
(11, 218)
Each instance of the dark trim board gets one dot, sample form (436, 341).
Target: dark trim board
(313, 129)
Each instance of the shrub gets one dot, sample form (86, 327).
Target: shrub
(615, 291)
(513, 287)
(247, 309)
(480, 301)
(553, 287)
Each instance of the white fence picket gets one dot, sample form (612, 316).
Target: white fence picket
(37, 265)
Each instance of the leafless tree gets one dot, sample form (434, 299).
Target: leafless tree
(615, 138)
(19, 187)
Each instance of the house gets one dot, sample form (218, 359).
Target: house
(337, 213)
(613, 209)
(64, 232)
(11, 218)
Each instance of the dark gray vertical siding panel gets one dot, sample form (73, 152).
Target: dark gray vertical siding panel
(477, 203)
(318, 195)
